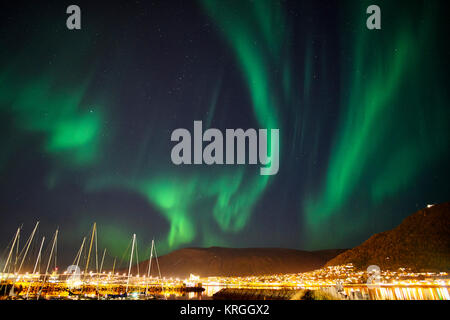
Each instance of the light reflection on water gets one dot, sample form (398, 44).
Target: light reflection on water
(381, 293)
(402, 293)
(205, 295)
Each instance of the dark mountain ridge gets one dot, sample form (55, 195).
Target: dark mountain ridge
(218, 261)
(421, 242)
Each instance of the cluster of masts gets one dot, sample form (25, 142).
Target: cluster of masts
(21, 255)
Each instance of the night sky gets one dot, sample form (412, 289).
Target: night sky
(86, 118)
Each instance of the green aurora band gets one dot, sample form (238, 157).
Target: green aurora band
(234, 192)
(68, 123)
(70, 130)
(385, 136)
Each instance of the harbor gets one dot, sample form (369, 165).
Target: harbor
(47, 282)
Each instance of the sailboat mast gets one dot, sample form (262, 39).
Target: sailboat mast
(103, 259)
(96, 251)
(17, 252)
(28, 245)
(90, 248)
(157, 263)
(131, 261)
(149, 266)
(78, 256)
(114, 266)
(12, 248)
(39, 255)
(159, 271)
(99, 272)
(35, 265)
(49, 260)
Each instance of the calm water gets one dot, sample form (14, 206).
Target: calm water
(402, 293)
(381, 293)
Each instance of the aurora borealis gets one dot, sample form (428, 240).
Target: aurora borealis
(87, 116)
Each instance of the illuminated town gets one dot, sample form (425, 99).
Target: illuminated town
(338, 282)
(345, 280)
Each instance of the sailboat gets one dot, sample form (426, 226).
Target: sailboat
(55, 239)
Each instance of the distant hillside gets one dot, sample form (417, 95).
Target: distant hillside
(420, 242)
(216, 261)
